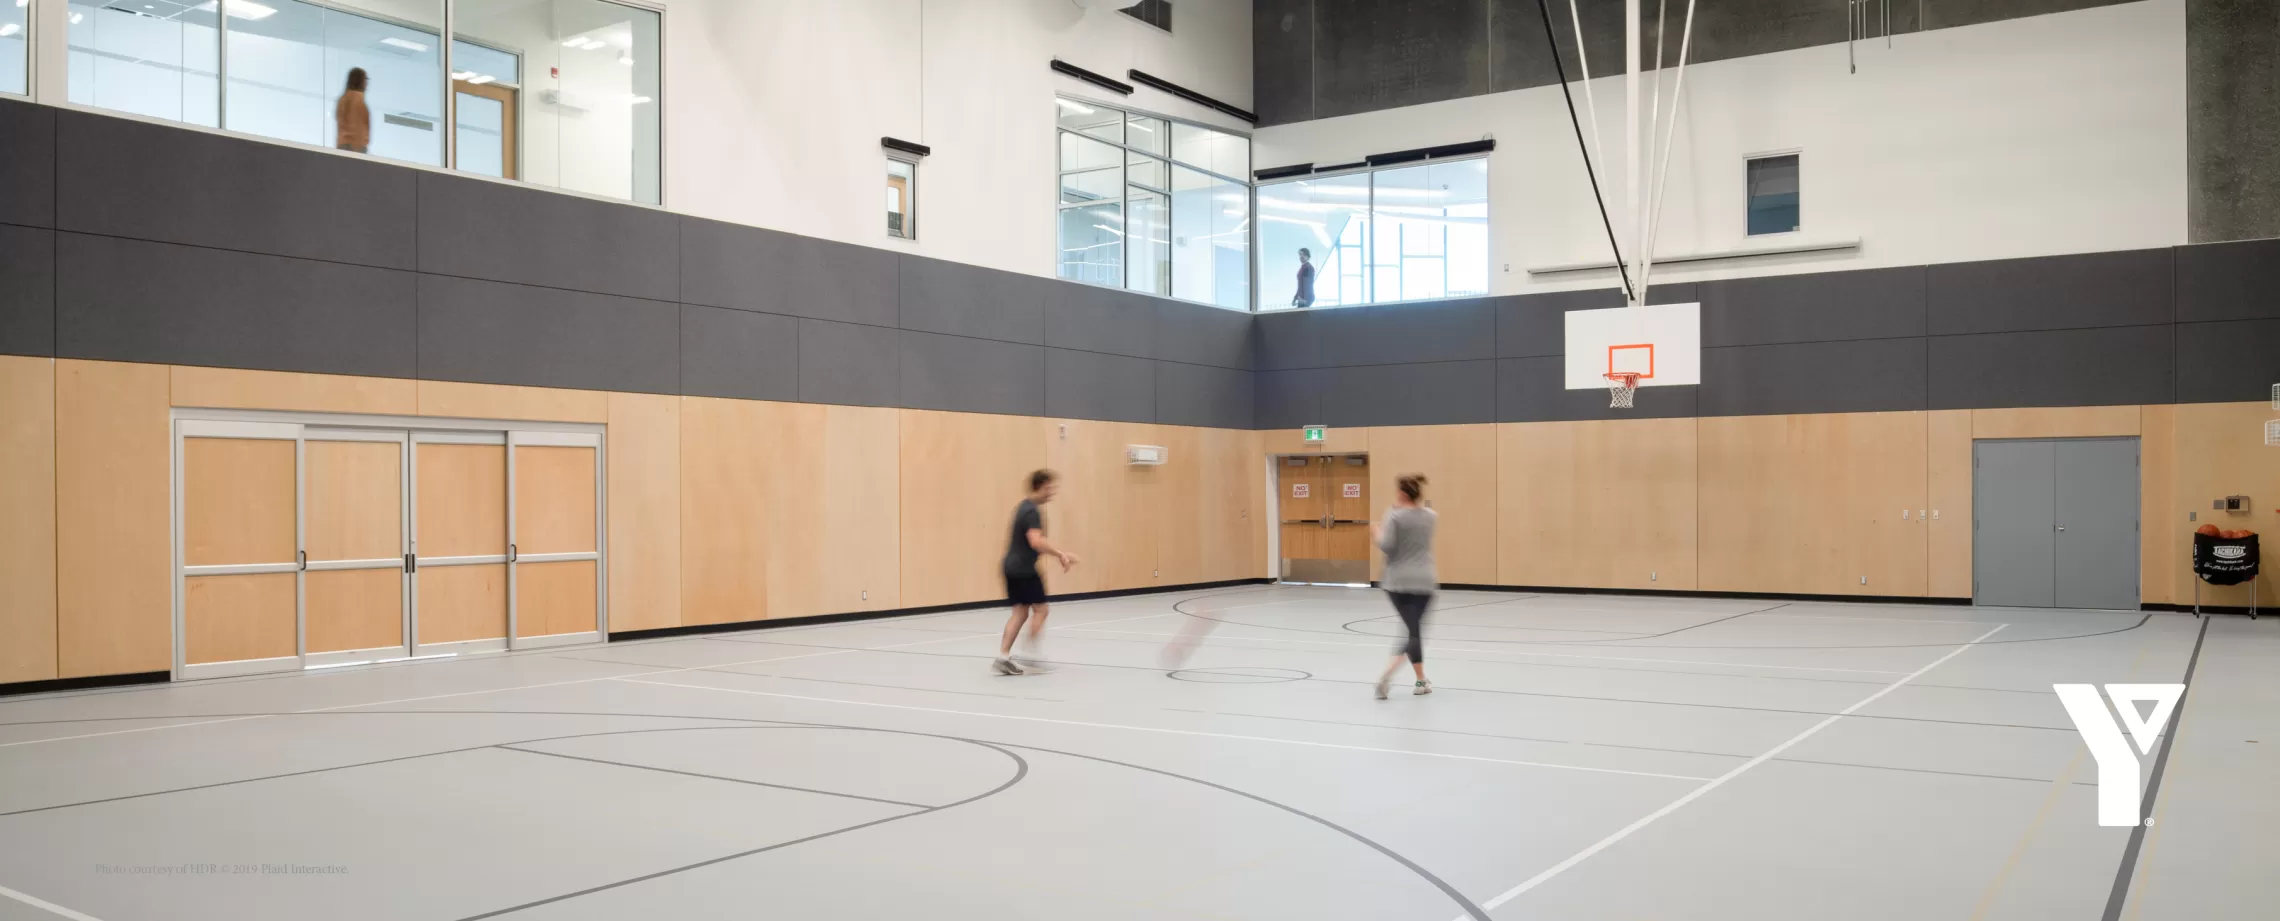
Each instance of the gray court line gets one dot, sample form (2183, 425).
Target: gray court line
(1349, 627)
(2120, 896)
(1644, 748)
(755, 783)
(868, 684)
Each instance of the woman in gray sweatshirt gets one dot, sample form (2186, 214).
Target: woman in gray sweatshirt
(1406, 538)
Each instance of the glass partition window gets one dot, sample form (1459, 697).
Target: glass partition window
(1773, 195)
(1399, 234)
(902, 199)
(556, 92)
(15, 44)
(1154, 205)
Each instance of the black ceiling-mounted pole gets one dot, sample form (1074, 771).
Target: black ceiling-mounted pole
(1552, 39)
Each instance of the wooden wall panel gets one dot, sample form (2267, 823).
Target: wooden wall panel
(1601, 504)
(114, 585)
(1459, 464)
(230, 388)
(962, 475)
(1210, 527)
(831, 494)
(461, 501)
(1181, 524)
(497, 401)
(238, 501)
(2220, 451)
(727, 447)
(554, 598)
(2164, 530)
(2054, 422)
(644, 470)
(27, 519)
(1814, 504)
(355, 609)
(236, 618)
(1108, 510)
(1948, 477)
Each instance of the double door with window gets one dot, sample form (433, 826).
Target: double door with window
(1325, 520)
(304, 546)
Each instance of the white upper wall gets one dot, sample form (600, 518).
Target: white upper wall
(2052, 134)
(774, 110)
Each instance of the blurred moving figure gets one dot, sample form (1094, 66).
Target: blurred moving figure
(1024, 588)
(1406, 538)
(352, 121)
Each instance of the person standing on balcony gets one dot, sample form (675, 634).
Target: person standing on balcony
(1305, 294)
(352, 121)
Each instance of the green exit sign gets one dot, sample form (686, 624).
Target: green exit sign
(1314, 434)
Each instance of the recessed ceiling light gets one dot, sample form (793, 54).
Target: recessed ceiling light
(76, 17)
(411, 46)
(242, 9)
(637, 100)
(8, 29)
(480, 79)
(1073, 107)
(626, 59)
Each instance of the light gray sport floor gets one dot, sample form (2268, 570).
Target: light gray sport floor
(1586, 757)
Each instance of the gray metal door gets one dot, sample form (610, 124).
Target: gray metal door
(2014, 508)
(2097, 524)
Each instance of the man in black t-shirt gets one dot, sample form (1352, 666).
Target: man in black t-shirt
(1024, 588)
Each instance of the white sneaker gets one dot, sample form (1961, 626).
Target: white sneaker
(1005, 666)
(1384, 687)
(1423, 688)
(1030, 664)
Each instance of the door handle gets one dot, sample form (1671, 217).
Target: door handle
(511, 551)
(2062, 527)
(304, 561)
(411, 563)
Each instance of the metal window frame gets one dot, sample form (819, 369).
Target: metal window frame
(910, 198)
(1369, 276)
(1797, 153)
(1124, 184)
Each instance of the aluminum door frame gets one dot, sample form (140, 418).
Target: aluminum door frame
(403, 649)
(183, 430)
(516, 438)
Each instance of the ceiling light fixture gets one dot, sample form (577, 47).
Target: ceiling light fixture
(242, 9)
(1072, 106)
(411, 46)
(8, 29)
(626, 59)
(637, 100)
(480, 79)
(76, 18)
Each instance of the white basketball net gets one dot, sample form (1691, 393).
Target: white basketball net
(1622, 388)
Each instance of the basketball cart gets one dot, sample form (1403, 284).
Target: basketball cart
(2226, 561)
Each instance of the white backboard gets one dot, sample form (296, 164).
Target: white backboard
(1661, 342)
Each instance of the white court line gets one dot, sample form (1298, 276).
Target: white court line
(1180, 732)
(1904, 620)
(1697, 793)
(528, 687)
(1509, 652)
(47, 906)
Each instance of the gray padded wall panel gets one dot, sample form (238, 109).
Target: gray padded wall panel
(967, 300)
(1289, 339)
(1200, 335)
(27, 291)
(1435, 393)
(1531, 390)
(2078, 367)
(131, 300)
(2230, 362)
(1204, 396)
(230, 193)
(2128, 288)
(739, 354)
(27, 164)
(473, 228)
(748, 268)
(972, 375)
(1089, 385)
(1814, 307)
(849, 363)
(497, 333)
(1457, 330)
(1289, 399)
(1869, 375)
(1094, 319)
(2228, 281)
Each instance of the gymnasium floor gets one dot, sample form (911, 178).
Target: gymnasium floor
(1586, 757)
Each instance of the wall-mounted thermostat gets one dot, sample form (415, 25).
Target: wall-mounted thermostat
(1146, 455)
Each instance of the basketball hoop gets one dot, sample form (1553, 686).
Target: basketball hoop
(1622, 388)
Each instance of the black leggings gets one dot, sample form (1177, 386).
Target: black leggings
(1411, 606)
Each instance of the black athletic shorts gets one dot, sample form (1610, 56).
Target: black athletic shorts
(1024, 589)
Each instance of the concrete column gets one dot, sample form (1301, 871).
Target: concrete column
(2232, 129)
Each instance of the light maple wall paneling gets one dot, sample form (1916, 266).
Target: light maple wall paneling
(459, 603)
(461, 505)
(1459, 464)
(499, 401)
(2164, 531)
(727, 450)
(831, 494)
(230, 388)
(354, 609)
(962, 474)
(1601, 504)
(1338, 440)
(1107, 511)
(554, 598)
(27, 519)
(644, 471)
(1210, 527)
(114, 594)
(1814, 504)
(2054, 422)
(238, 501)
(1948, 479)
(1181, 530)
(2221, 452)
(236, 618)
(1249, 451)
(862, 497)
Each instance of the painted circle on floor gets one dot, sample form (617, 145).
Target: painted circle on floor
(1240, 675)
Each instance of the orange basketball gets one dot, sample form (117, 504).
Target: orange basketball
(2208, 530)
(2228, 534)
(2244, 532)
